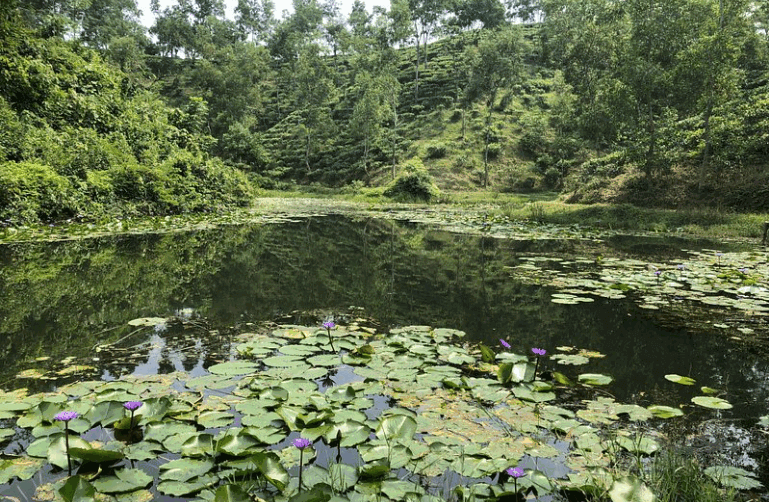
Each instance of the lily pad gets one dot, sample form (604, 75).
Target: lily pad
(715, 403)
(234, 368)
(124, 480)
(596, 379)
(733, 477)
(680, 379)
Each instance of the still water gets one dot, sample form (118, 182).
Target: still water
(60, 303)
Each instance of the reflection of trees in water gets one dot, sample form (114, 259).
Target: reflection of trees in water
(65, 298)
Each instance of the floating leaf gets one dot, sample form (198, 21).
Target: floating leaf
(679, 379)
(146, 321)
(630, 489)
(234, 368)
(180, 488)
(95, 455)
(231, 493)
(184, 469)
(594, 379)
(77, 489)
(124, 480)
(660, 411)
(733, 477)
(399, 426)
(715, 403)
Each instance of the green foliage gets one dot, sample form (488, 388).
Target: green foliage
(414, 183)
(31, 192)
(676, 477)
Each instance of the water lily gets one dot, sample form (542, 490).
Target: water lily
(329, 325)
(504, 343)
(301, 443)
(132, 406)
(657, 274)
(66, 416)
(539, 353)
(515, 473)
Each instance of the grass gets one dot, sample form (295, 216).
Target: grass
(545, 208)
(676, 477)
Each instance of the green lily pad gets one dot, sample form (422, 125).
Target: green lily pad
(595, 379)
(181, 488)
(95, 455)
(184, 469)
(124, 480)
(146, 321)
(630, 489)
(680, 379)
(715, 403)
(733, 477)
(234, 368)
(660, 411)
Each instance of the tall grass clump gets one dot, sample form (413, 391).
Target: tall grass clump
(675, 477)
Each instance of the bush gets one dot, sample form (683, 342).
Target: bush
(494, 149)
(437, 151)
(30, 193)
(414, 183)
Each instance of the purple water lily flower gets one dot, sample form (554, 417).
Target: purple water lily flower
(133, 405)
(302, 443)
(329, 325)
(66, 416)
(515, 472)
(539, 352)
(504, 343)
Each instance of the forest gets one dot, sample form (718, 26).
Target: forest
(648, 102)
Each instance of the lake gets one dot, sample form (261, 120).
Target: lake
(65, 306)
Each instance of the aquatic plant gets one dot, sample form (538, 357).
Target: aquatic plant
(446, 414)
(515, 473)
(329, 325)
(301, 443)
(504, 343)
(66, 416)
(132, 406)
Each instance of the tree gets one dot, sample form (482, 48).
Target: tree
(314, 93)
(256, 18)
(495, 64)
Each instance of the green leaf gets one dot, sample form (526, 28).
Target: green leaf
(57, 451)
(77, 489)
(715, 403)
(231, 493)
(733, 477)
(234, 368)
(594, 379)
(400, 427)
(236, 442)
(184, 469)
(487, 355)
(660, 411)
(630, 489)
(680, 379)
(199, 445)
(20, 467)
(180, 488)
(124, 480)
(95, 455)
(271, 468)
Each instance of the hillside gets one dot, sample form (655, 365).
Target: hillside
(666, 107)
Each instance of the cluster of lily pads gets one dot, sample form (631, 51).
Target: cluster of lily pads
(708, 278)
(336, 413)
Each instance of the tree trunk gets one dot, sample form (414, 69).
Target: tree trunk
(416, 76)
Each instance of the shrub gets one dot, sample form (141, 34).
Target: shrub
(494, 149)
(437, 151)
(30, 193)
(414, 183)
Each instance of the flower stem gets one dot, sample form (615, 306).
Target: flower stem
(301, 452)
(330, 340)
(66, 446)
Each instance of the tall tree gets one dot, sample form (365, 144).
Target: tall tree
(496, 63)
(256, 19)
